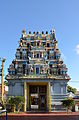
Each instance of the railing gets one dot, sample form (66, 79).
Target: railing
(3, 111)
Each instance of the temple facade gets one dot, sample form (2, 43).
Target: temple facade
(38, 73)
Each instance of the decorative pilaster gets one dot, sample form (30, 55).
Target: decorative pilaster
(42, 54)
(25, 96)
(33, 54)
(49, 97)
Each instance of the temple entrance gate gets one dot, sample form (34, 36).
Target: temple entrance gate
(38, 97)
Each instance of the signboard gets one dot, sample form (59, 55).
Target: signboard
(34, 95)
(34, 106)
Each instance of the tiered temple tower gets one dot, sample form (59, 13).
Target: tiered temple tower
(38, 73)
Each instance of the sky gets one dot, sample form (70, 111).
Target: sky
(41, 15)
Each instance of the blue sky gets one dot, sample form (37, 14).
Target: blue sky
(42, 15)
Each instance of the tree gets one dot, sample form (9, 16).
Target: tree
(12, 104)
(19, 102)
(16, 103)
(68, 103)
(6, 83)
(70, 89)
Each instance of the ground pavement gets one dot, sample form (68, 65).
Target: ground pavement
(42, 116)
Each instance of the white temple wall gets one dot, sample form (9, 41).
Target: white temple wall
(16, 88)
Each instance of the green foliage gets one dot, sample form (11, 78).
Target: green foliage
(12, 101)
(70, 89)
(68, 103)
(16, 101)
(19, 102)
(6, 83)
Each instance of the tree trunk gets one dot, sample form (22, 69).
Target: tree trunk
(67, 110)
(13, 109)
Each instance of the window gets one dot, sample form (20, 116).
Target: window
(50, 65)
(24, 66)
(37, 43)
(48, 45)
(32, 43)
(40, 55)
(28, 44)
(24, 57)
(28, 38)
(43, 43)
(37, 70)
(24, 51)
(17, 56)
(37, 55)
(13, 72)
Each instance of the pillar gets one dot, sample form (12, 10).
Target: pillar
(49, 97)
(2, 82)
(25, 96)
(42, 54)
(33, 54)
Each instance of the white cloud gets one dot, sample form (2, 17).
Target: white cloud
(77, 49)
(77, 88)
